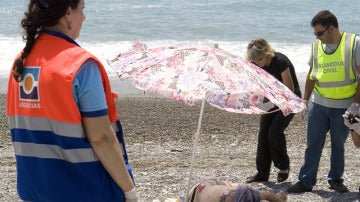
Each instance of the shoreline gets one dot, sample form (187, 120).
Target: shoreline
(126, 88)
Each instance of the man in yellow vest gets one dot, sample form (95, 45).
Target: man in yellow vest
(334, 66)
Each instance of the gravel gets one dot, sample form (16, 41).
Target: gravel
(159, 137)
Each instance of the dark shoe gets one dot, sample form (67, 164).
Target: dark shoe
(256, 178)
(281, 177)
(338, 186)
(299, 187)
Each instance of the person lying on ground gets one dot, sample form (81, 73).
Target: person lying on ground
(215, 190)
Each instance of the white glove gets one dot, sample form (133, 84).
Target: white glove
(353, 109)
(131, 200)
(131, 196)
(306, 110)
(354, 126)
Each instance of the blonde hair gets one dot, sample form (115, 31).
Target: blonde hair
(258, 49)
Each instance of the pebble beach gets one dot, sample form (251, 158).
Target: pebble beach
(159, 137)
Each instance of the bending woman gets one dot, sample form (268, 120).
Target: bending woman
(271, 140)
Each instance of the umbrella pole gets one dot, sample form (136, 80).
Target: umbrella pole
(195, 144)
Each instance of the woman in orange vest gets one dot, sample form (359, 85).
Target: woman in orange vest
(67, 137)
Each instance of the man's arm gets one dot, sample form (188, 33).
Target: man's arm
(357, 94)
(355, 138)
(309, 87)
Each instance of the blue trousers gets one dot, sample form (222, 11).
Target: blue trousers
(322, 120)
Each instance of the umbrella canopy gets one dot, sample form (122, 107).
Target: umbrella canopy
(192, 74)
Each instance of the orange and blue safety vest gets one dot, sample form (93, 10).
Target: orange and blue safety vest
(55, 162)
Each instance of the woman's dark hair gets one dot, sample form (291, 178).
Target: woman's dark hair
(324, 18)
(40, 14)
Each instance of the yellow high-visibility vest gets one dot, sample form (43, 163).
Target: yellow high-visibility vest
(334, 73)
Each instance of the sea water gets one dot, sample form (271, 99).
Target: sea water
(112, 26)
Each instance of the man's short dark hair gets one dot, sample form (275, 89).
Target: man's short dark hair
(324, 18)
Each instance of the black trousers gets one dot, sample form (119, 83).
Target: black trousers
(272, 143)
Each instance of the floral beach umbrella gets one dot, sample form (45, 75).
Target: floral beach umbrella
(192, 74)
(197, 74)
